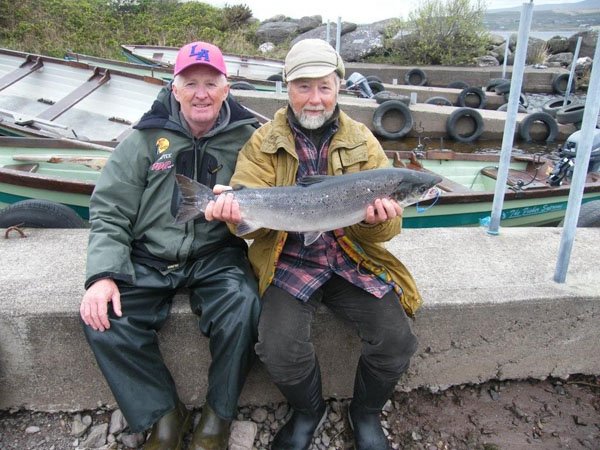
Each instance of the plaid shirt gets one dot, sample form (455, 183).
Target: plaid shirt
(301, 270)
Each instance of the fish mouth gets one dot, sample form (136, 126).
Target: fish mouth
(432, 192)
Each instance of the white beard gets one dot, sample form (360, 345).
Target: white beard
(311, 122)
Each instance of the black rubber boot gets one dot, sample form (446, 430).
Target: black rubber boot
(370, 395)
(168, 432)
(212, 433)
(309, 410)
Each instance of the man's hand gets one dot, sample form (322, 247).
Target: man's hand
(94, 306)
(224, 208)
(381, 210)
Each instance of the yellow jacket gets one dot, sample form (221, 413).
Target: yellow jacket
(269, 159)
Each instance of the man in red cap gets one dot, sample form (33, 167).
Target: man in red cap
(138, 257)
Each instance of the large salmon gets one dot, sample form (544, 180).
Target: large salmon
(317, 204)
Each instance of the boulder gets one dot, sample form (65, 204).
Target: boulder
(276, 32)
(557, 44)
(308, 23)
(321, 32)
(362, 42)
(563, 59)
(588, 43)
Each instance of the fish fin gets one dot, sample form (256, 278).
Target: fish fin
(244, 228)
(187, 212)
(311, 237)
(312, 179)
(194, 198)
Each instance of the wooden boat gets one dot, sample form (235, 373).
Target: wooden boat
(56, 171)
(64, 171)
(253, 67)
(42, 96)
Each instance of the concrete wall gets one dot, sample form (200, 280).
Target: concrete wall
(492, 311)
(429, 120)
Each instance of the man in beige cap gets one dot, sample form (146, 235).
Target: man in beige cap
(346, 269)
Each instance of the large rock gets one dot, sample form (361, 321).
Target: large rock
(321, 32)
(308, 23)
(362, 42)
(588, 43)
(563, 59)
(557, 44)
(277, 32)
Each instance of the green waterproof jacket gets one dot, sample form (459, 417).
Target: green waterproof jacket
(134, 203)
(269, 159)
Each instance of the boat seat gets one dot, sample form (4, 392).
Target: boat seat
(446, 184)
(23, 167)
(517, 178)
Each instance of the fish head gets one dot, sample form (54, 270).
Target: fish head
(416, 187)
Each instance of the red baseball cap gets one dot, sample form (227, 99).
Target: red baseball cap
(200, 53)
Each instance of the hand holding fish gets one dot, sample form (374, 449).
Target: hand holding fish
(225, 207)
(382, 209)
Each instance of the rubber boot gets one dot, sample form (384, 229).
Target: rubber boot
(308, 413)
(370, 395)
(168, 432)
(212, 433)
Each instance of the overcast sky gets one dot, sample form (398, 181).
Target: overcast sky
(357, 11)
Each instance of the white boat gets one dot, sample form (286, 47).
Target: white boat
(42, 96)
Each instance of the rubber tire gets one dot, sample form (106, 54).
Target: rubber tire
(382, 110)
(493, 82)
(571, 113)
(374, 78)
(439, 100)
(552, 106)
(462, 97)
(415, 72)
(589, 215)
(376, 87)
(386, 96)
(525, 125)
(459, 114)
(558, 81)
(35, 213)
(242, 85)
(458, 85)
(504, 107)
(502, 88)
(275, 77)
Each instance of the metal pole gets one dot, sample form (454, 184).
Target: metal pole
(505, 62)
(516, 82)
(572, 72)
(338, 35)
(582, 158)
(328, 33)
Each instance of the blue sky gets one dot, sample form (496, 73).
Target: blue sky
(357, 11)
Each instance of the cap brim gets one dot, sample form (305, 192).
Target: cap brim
(310, 72)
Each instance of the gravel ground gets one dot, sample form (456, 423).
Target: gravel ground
(507, 415)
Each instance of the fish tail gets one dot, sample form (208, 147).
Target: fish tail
(194, 198)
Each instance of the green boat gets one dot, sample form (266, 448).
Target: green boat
(63, 172)
(48, 177)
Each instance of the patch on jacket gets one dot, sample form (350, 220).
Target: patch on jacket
(162, 144)
(165, 162)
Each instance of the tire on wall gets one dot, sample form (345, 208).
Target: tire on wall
(470, 92)
(385, 108)
(35, 213)
(439, 100)
(553, 105)
(242, 85)
(458, 115)
(559, 84)
(415, 77)
(530, 119)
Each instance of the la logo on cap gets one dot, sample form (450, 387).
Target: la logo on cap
(202, 54)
